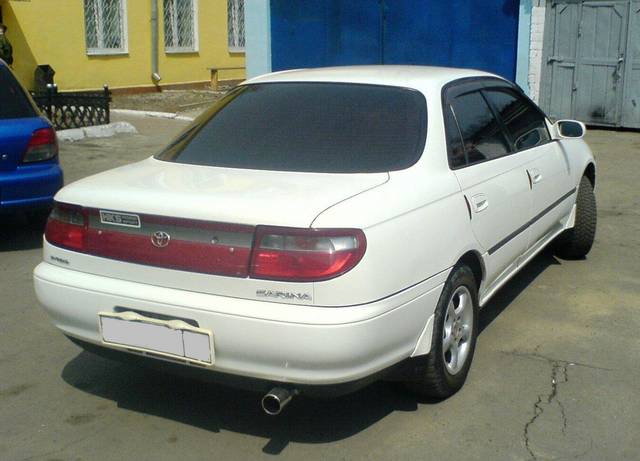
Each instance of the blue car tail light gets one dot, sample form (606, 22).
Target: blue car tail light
(42, 146)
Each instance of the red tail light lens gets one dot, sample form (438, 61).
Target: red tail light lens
(305, 255)
(273, 253)
(182, 244)
(67, 227)
(42, 146)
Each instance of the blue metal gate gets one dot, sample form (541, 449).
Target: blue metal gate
(479, 34)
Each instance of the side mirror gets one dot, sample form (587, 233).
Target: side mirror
(529, 139)
(570, 129)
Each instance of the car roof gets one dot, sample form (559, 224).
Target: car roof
(393, 75)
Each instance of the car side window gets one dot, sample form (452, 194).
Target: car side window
(482, 135)
(456, 148)
(524, 122)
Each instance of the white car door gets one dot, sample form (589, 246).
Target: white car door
(493, 180)
(553, 192)
(548, 168)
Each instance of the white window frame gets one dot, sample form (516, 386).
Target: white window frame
(196, 34)
(234, 49)
(100, 51)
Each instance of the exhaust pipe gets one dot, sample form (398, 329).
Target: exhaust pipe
(276, 399)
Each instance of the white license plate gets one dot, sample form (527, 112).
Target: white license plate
(170, 338)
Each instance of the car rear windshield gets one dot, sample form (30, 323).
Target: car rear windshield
(13, 101)
(308, 127)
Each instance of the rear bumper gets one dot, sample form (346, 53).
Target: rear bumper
(29, 186)
(311, 352)
(408, 369)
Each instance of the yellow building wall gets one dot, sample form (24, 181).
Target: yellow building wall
(52, 32)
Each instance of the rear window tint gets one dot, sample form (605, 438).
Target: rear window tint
(308, 127)
(13, 101)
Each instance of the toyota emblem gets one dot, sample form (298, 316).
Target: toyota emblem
(160, 239)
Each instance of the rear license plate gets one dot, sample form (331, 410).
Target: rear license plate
(170, 338)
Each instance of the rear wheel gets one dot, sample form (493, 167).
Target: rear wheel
(455, 331)
(575, 243)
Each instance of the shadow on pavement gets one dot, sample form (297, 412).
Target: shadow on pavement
(19, 233)
(214, 408)
(505, 296)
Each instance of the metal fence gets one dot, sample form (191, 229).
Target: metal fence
(74, 109)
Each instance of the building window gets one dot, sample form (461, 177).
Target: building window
(105, 26)
(235, 24)
(180, 26)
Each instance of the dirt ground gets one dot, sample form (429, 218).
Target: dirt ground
(175, 101)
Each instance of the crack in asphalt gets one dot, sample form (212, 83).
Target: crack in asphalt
(559, 375)
(551, 360)
(537, 409)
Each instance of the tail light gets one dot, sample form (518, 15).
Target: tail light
(174, 243)
(274, 253)
(42, 146)
(305, 255)
(67, 227)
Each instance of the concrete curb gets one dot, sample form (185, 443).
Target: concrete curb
(149, 113)
(100, 131)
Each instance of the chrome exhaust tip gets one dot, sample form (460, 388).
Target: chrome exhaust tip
(276, 399)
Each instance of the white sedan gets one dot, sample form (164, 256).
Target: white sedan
(318, 229)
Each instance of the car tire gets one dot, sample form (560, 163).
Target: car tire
(457, 309)
(575, 243)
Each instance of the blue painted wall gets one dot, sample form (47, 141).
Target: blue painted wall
(480, 34)
(310, 33)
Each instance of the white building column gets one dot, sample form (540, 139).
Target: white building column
(536, 47)
(257, 26)
(524, 48)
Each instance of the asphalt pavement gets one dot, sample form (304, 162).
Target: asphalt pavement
(556, 373)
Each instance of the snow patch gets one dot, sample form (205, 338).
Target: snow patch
(150, 113)
(99, 131)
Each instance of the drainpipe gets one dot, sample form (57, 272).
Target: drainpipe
(155, 75)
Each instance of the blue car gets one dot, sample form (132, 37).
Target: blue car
(30, 172)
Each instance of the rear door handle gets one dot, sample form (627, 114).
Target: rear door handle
(534, 175)
(479, 202)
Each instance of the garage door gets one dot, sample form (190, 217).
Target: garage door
(592, 56)
(479, 34)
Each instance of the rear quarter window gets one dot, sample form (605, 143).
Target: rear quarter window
(13, 101)
(308, 127)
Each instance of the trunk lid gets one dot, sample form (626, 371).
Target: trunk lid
(223, 195)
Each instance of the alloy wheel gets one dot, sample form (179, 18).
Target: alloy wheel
(458, 330)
